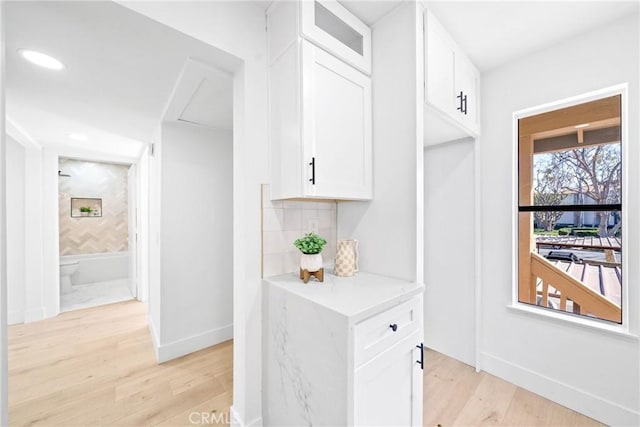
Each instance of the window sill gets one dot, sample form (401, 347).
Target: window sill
(590, 324)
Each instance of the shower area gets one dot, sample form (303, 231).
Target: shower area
(96, 222)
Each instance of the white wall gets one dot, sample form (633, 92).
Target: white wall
(197, 239)
(51, 237)
(591, 371)
(24, 188)
(34, 281)
(155, 218)
(449, 258)
(389, 228)
(143, 225)
(239, 29)
(16, 266)
(4, 405)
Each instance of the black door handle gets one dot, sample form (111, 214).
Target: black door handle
(421, 361)
(313, 171)
(394, 327)
(463, 103)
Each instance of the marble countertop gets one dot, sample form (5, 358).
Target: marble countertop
(356, 297)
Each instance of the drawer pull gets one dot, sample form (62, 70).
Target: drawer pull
(394, 327)
(421, 361)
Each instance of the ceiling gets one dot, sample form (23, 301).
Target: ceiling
(494, 33)
(121, 68)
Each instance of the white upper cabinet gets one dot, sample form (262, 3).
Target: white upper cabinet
(329, 25)
(466, 83)
(439, 66)
(320, 116)
(452, 83)
(336, 113)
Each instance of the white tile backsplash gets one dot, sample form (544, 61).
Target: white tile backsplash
(272, 219)
(292, 204)
(285, 221)
(272, 264)
(292, 219)
(266, 199)
(291, 262)
(324, 218)
(289, 237)
(272, 242)
(326, 206)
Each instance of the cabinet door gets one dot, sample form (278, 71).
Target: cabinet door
(388, 389)
(284, 125)
(439, 66)
(336, 127)
(467, 83)
(331, 26)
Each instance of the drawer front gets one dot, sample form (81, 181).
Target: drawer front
(376, 334)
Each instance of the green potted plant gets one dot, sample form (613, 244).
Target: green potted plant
(310, 245)
(85, 210)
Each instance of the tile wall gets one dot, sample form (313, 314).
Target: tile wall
(90, 235)
(285, 221)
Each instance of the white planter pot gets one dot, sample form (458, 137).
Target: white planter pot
(311, 262)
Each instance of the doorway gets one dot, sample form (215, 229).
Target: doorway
(97, 225)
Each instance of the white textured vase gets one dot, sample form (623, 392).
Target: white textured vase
(311, 262)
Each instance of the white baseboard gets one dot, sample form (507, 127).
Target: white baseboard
(193, 343)
(236, 420)
(586, 403)
(25, 316)
(34, 315)
(14, 317)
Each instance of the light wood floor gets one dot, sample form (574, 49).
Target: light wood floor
(97, 367)
(455, 395)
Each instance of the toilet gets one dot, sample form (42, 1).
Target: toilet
(67, 268)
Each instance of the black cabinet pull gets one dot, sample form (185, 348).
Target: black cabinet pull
(393, 327)
(463, 103)
(421, 361)
(313, 171)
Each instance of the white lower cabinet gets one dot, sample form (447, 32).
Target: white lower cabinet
(344, 352)
(393, 379)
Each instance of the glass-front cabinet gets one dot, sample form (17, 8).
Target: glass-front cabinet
(329, 25)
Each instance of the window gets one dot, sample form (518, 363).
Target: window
(570, 209)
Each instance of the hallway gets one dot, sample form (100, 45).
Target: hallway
(97, 367)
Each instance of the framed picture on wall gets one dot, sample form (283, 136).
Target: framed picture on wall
(85, 207)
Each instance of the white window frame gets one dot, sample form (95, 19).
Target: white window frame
(603, 325)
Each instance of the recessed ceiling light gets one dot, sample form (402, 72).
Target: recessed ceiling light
(41, 59)
(78, 137)
(584, 125)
